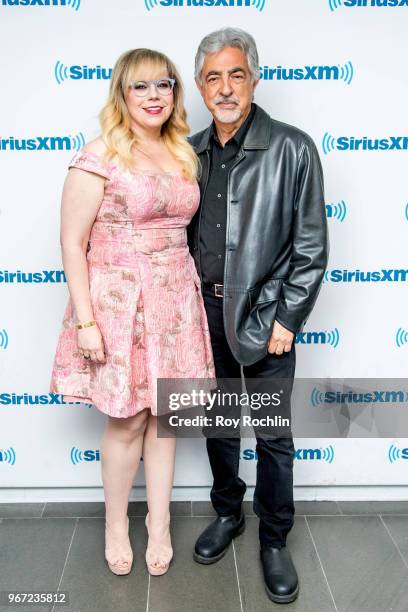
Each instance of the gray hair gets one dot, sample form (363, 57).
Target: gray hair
(228, 37)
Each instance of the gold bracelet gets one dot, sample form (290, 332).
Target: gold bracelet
(87, 324)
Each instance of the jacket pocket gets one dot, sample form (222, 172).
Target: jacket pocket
(268, 292)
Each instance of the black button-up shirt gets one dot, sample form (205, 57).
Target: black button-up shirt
(214, 204)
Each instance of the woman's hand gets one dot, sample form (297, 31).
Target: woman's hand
(90, 342)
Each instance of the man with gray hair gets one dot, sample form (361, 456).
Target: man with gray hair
(260, 245)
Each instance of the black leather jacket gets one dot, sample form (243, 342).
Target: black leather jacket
(276, 235)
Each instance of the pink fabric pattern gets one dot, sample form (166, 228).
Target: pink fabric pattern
(145, 294)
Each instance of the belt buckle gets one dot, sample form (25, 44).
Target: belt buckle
(215, 290)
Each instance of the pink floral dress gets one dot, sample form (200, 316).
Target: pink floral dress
(145, 294)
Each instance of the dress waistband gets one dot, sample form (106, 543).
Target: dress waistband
(133, 237)
(117, 247)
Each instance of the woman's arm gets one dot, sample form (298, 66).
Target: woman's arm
(81, 198)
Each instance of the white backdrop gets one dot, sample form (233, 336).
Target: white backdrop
(349, 82)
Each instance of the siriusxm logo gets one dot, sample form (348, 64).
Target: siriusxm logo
(75, 4)
(43, 143)
(336, 72)
(77, 455)
(391, 275)
(323, 337)
(76, 73)
(258, 4)
(395, 453)
(300, 454)
(350, 143)
(27, 399)
(338, 211)
(8, 455)
(401, 337)
(335, 4)
(350, 397)
(3, 339)
(46, 276)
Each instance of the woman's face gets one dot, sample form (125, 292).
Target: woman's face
(149, 105)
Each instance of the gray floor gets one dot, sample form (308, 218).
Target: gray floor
(350, 556)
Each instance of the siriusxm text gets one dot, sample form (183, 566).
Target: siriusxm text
(375, 276)
(38, 143)
(89, 73)
(45, 276)
(300, 453)
(338, 397)
(305, 73)
(205, 3)
(379, 3)
(391, 143)
(34, 2)
(15, 399)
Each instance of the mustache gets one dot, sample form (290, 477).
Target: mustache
(229, 100)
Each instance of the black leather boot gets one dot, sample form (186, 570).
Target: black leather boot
(212, 544)
(281, 580)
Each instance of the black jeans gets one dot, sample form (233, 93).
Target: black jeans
(273, 496)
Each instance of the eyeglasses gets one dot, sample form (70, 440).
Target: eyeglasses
(164, 87)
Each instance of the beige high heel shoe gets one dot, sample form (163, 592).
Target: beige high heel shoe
(158, 558)
(122, 564)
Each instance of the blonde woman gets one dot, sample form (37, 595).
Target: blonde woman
(135, 311)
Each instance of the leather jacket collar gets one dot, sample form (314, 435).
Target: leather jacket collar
(257, 137)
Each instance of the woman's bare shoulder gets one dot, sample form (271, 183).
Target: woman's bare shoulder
(96, 146)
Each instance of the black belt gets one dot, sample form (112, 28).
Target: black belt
(215, 288)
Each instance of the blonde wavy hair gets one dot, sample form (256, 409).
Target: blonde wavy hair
(115, 120)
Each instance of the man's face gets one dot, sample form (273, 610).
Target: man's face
(226, 84)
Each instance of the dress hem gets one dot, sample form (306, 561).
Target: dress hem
(83, 400)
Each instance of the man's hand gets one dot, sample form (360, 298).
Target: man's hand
(280, 340)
